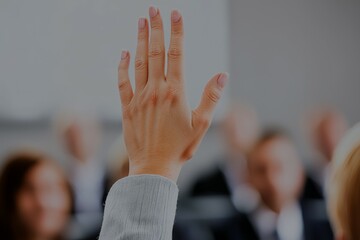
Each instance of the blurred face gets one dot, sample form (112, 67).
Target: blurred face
(43, 203)
(276, 173)
(74, 142)
(330, 132)
(241, 130)
(81, 140)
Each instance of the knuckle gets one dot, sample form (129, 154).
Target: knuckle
(150, 99)
(212, 95)
(177, 32)
(154, 96)
(156, 24)
(171, 94)
(140, 64)
(156, 52)
(123, 84)
(174, 53)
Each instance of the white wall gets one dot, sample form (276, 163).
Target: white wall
(61, 53)
(285, 57)
(290, 56)
(58, 54)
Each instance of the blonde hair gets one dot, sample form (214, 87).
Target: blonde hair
(344, 194)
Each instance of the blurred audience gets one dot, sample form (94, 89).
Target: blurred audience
(285, 212)
(80, 135)
(35, 198)
(240, 130)
(328, 127)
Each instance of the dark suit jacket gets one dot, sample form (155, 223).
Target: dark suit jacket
(215, 183)
(211, 184)
(316, 225)
(311, 190)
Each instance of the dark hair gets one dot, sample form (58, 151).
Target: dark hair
(12, 178)
(272, 133)
(267, 135)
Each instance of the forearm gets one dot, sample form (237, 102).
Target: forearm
(140, 207)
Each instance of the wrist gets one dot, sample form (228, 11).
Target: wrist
(171, 172)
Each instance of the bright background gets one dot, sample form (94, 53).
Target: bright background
(285, 58)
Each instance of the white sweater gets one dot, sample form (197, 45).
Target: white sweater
(140, 207)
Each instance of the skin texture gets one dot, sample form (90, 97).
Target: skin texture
(161, 133)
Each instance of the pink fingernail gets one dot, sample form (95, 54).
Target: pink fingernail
(141, 23)
(175, 16)
(221, 81)
(124, 54)
(153, 11)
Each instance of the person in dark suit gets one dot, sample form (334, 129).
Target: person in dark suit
(212, 184)
(276, 172)
(241, 226)
(311, 190)
(240, 130)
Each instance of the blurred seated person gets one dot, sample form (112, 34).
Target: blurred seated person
(276, 172)
(35, 198)
(344, 194)
(240, 129)
(196, 217)
(328, 128)
(80, 136)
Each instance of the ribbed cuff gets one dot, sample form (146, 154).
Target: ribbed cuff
(140, 207)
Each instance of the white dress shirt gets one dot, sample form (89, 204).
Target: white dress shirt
(243, 195)
(288, 224)
(87, 179)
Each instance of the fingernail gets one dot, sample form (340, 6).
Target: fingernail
(175, 16)
(124, 54)
(221, 81)
(141, 23)
(153, 11)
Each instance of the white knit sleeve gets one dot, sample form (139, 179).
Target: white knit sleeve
(140, 207)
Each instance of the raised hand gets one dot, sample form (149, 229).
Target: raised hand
(160, 130)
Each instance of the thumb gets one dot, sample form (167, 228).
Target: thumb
(211, 95)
